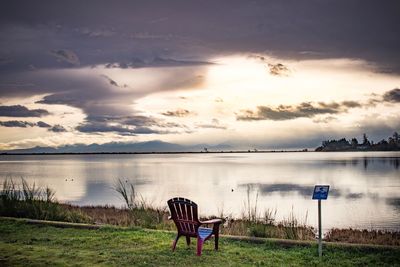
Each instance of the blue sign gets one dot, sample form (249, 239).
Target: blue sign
(321, 192)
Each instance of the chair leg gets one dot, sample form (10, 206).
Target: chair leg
(199, 246)
(174, 243)
(216, 237)
(188, 240)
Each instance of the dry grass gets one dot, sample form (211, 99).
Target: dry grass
(363, 236)
(147, 218)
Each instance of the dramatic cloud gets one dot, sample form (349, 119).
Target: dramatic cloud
(21, 124)
(392, 96)
(178, 113)
(134, 120)
(128, 125)
(303, 110)
(310, 110)
(121, 67)
(98, 95)
(41, 124)
(66, 55)
(102, 33)
(97, 127)
(21, 111)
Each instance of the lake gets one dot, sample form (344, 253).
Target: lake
(365, 186)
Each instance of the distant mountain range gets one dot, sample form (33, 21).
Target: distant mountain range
(116, 147)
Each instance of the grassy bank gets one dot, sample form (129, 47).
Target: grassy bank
(27, 201)
(33, 245)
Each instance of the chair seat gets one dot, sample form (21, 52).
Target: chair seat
(204, 232)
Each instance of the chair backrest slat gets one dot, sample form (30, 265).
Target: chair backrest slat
(184, 214)
(190, 217)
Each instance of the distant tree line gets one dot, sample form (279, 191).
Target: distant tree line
(391, 144)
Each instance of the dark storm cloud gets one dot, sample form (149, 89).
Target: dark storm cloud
(21, 111)
(93, 93)
(392, 96)
(100, 32)
(20, 124)
(98, 96)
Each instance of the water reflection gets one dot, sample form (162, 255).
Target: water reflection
(370, 162)
(395, 202)
(282, 189)
(304, 190)
(364, 185)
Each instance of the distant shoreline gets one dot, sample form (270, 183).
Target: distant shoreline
(158, 152)
(185, 152)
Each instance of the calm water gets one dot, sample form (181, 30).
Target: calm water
(365, 186)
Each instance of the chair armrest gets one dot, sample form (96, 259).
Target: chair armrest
(212, 221)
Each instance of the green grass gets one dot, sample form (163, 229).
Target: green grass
(23, 244)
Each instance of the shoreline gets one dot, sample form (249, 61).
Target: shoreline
(189, 152)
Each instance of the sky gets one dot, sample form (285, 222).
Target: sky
(251, 74)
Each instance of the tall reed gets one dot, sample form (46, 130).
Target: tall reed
(30, 201)
(142, 212)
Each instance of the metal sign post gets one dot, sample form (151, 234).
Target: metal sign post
(320, 193)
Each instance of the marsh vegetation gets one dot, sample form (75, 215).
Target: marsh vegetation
(30, 201)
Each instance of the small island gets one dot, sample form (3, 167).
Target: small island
(391, 144)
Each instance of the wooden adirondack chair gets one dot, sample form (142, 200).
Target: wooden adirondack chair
(185, 216)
